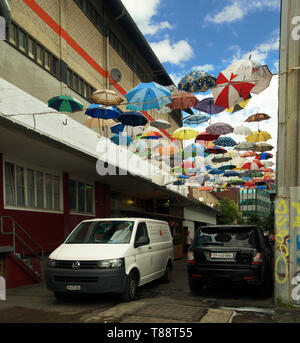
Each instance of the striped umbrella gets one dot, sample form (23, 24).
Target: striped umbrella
(65, 103)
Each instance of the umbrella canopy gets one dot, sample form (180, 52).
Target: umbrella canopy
(262, 147)
(197, 81)
(264, 156)
(65, 103)
(246, 70)
(161, 124)
(117, 128)
(242, 131)
(207, 137)
(184, 133)
(151, 135)
(196, 119)
(266, 170)
(254, 165)
(181, 100)
(267, 164)
(240, 106)
(140, 147)
(166, 150)
(215, 171)
(248, 154)
(227, 167)
(121, 139)
(207, 105)
(244, 146)
(258, 117)
(225, 142)
(215, 150)
(98, 111)
(249, 184)
(98, 123)
(147, 96)
(219, 129)
(258, 136)
(231, 173)
(263, 82)
(106, 97)
(132, 119)
(220, 159)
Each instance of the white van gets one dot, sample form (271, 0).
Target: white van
(111, 255)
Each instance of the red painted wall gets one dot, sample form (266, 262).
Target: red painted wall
(15, 275)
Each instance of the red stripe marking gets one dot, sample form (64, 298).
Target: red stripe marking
(62, 33)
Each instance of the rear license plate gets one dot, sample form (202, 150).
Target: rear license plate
(224, 255)
(73, 288)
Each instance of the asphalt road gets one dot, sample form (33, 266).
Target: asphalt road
(155, 303)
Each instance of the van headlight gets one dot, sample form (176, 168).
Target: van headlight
(113, 263)
(51, 263)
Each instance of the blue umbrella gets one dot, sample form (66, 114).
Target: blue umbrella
(196, 119)
(225, 141)
(147, 96)
(208, 106)
(197, 81)
(227, 167)
(98, 111)
(121, 139)
(117, 128)
(181, 176)
(264, 156)
(178, 183)
(231, 173)
(132, 119)
(215, 171)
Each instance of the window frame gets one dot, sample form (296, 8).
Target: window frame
(85, 183)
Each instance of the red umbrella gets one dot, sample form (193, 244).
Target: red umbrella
(249, 184)
(254, 165)
(248, 154)
(266, 170)
(182, 100)
(205, 136)
(215, 150)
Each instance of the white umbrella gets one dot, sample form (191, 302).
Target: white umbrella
(242, 131)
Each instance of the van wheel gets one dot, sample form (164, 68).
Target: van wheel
(167, 276)
(130, 288)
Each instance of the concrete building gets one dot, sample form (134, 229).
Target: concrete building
(51, 169)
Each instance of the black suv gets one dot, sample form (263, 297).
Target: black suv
(238, 253)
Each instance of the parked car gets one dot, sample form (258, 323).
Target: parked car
(234, 253)
(111, 256)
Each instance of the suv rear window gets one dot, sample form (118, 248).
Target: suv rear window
(223, 236)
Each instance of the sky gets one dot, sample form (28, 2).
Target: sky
(209, 35)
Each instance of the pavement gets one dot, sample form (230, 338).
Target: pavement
(155, 303)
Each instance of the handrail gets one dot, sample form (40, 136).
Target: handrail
(15, 235)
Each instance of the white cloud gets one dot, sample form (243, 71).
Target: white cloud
(206, 67)
(174, 53)
(238, 9)
(143, 12)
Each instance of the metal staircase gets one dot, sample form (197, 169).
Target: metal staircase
(24, 248)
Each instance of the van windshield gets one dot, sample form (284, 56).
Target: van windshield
(102, 232)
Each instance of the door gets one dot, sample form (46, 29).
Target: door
(142, 249)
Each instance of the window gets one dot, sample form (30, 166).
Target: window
(141, 233)
(55, 66)
(31, 48)
(29, 188)
(48, 61)
(22, 41)
(81, 197)
(40, 54)
(13, 34)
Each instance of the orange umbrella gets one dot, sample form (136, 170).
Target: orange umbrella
(182, 100)
(166, 150)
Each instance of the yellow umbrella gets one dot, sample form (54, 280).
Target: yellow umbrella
(239, 106)
(185, 133)
(258, 136)
(106, 97)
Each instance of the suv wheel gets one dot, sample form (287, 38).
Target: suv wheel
(167, 276)
(130, 288)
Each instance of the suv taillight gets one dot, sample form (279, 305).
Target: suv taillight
(257, 258)
(190, 256)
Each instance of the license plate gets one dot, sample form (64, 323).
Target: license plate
(73, 288)
(224, 255)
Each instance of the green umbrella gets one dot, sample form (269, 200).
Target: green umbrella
(65, 103)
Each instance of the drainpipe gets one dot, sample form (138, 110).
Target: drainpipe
(5, 11)
(107, 43)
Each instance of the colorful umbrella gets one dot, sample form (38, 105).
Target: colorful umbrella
(240, 106)
(225, 142)
(207, 105)
(196, 119)
(227, 167)
(242, 131)
(121, 139)
(197, 81)
(207, 137)
(181, 100)
(215, 150)
(147, 96)
(264, 156)
(263, 147)
(106, 97)
(231, 173)
(249, 184)
(254, 165)
(184, 133)
(151, 135)
(161, 124)
(98, 111)
(257, 117)
(258, 136)
(132, 119)
(219, 129)
(65, 103)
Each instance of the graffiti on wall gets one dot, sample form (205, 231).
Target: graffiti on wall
(281, 237)
(296, 279)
